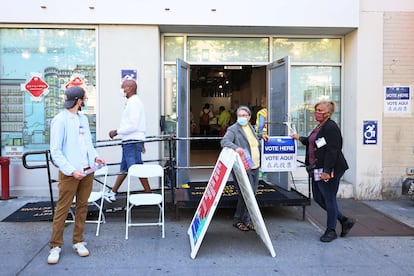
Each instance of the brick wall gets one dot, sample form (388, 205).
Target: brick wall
(398, 132)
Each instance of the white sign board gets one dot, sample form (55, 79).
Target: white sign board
(278, 154)
(227, 161)
(397, 100)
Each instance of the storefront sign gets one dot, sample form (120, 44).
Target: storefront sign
(397, 100)
(278, 154)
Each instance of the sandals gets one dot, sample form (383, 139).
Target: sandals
(251, 227)
(241, 226)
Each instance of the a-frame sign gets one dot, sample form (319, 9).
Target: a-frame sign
(228, 160)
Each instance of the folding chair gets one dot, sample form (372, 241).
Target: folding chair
(96, 198)
(144, 199)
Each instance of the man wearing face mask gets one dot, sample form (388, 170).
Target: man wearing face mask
(132, 131)
(72, 151)
(242, 138)
(326, 165)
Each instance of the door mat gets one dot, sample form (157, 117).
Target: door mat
(267, 195)
(369, 221)
(40, 211)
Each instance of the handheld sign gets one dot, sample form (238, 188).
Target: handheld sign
(228, 160)
(278, 154)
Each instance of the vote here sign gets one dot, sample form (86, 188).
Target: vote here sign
(278, 154)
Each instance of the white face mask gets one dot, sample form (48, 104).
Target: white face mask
(122, 93)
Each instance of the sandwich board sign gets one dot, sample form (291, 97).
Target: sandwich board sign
(228, 160)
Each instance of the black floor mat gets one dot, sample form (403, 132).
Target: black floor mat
(40, 211)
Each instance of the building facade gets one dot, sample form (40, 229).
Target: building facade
(356, 52)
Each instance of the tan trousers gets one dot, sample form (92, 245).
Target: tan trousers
(68, 188)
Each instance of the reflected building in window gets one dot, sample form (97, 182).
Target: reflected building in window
(13, 130)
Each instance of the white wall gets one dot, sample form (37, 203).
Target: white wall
(368, 104)
(302, 13)
(128, 47)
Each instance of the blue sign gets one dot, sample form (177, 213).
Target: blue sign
(128, 74)
(397, 93)
(279, 145)
(370, 132)
(278, 154)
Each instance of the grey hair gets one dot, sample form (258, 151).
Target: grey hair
(331, 105)
(245, 108)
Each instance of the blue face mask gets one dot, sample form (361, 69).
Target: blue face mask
(242, 121)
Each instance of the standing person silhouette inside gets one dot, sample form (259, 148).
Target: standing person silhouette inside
(205, 116)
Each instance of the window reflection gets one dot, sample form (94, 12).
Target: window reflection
(37, 64)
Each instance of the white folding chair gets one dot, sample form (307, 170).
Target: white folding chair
(144, 199)
(96, 198)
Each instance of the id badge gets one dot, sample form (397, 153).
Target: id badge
(320, 142)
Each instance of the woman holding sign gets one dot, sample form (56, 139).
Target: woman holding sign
(242, 138)
(326, 164)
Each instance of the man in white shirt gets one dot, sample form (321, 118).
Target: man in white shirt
(132, 132)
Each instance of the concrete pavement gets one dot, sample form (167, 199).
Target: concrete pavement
(224, 251)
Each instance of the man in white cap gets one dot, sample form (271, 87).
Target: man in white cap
(73, 152)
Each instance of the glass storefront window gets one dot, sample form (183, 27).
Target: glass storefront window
(170, 100)
(317, 50)
(310, 84)
(173, 48)
(37, 64)
(228, 49)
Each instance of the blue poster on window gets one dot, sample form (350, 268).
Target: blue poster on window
(370, 132)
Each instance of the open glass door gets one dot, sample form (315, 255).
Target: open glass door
(278, 109)
(183, 115)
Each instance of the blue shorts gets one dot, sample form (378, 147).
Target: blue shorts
(131, 154)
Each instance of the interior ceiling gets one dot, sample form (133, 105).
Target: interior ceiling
(210, 76)
(256, 30)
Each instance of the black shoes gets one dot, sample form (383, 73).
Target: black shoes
(347, 224)
(329, 235)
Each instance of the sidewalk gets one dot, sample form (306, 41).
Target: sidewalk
(224, 251)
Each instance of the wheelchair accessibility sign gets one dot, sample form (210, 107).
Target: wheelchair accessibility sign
(370, 132)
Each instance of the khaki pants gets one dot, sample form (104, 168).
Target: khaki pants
(68, 188)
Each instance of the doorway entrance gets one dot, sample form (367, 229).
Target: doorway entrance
(220, 87)
(273, 80)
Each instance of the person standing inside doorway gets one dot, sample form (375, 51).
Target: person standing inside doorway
(72, 151)
(132, 132)
(223, 120)
(326, 165)
(261, 117)
(205, 116)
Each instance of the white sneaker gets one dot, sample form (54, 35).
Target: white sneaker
(54, 255)
(110, 196)
(81, 249)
